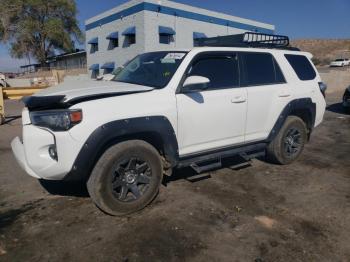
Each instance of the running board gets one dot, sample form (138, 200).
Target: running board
(205, 166)
(249, 157)
(199, 162)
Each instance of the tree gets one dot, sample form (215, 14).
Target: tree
(38, 28)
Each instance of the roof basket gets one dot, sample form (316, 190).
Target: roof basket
(248, 39)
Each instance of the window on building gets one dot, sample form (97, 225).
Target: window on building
(114, 43)
(166, 34)
(221, 70)
(131, 39)
(165, 39)
(302, 67)
(196, 38)
(130, 36)
(113, 40)
(95, 70)
(260, 69)
(108, 67)
(94, 48)
(94, 45)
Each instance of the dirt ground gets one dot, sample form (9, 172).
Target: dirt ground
(258, 213)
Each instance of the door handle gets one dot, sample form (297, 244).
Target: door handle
(238, 99)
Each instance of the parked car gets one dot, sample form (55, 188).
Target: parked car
(341, 62)
(172, 109)
(346, 99)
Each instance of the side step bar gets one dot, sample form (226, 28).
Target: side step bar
(201, 167)
(210, 161)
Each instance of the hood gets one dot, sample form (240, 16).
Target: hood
(72, 92)
(83, 88)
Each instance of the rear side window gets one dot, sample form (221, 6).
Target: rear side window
(261, 69)
(302, 67)
(222, 70)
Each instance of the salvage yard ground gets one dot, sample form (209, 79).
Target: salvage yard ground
(261, 212)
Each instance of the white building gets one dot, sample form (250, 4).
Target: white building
(116, 36)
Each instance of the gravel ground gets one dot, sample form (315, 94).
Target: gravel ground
(261, 212)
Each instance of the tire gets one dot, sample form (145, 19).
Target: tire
(287, 146)
(126, 178)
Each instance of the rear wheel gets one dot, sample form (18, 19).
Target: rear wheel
(126, 178)
(287, 146)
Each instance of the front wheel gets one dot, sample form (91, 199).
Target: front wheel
(287, 146)
(126, 178)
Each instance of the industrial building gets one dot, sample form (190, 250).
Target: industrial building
(116, 36)
(66, 61)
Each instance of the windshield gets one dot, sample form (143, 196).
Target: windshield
(151, 69)
(339, 60)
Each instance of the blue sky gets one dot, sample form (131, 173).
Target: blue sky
(296, 18)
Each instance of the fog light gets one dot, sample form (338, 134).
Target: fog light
(53, 152)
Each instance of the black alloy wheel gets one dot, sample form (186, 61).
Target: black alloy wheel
(292, 142)
(131, 179)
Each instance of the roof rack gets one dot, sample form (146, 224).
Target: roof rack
(248, 39)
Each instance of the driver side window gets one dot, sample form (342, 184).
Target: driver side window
(222, 70)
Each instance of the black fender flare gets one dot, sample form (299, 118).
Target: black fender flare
(294, 106)
(113, 132)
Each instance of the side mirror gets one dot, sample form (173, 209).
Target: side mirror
(195, 84)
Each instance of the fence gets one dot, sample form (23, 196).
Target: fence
(49, 71)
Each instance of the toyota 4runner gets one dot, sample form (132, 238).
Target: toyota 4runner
(172, 109)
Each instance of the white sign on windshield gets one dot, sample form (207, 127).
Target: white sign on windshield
(175, 56)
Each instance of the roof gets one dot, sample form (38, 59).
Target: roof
(231, 49)
(250, 49)
(180, 10)
(29, 65)
(53, 58)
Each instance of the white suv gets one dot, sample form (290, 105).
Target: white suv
(171, 109)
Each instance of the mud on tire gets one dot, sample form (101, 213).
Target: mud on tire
(126, 178)
(287, 146)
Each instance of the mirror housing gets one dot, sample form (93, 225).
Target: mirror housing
(195, 84)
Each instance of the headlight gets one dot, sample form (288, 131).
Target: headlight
(56, 120)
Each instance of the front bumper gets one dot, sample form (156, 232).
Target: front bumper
(18, 151)
(33, 153)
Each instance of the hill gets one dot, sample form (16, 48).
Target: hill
(324, 50)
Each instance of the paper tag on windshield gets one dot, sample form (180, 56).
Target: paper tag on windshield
(175, 56)
(168, 61)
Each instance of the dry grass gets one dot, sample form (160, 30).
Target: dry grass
(324, 50)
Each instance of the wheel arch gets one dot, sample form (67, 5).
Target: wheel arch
(303, 108)
(155, 130)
